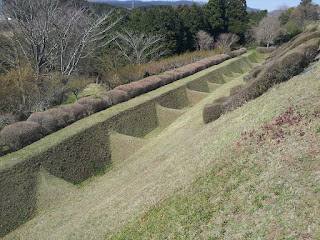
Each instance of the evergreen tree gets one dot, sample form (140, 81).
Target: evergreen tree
(237, 19)
(171, 28)
(214, 12)
(192, 21)
(303, 2)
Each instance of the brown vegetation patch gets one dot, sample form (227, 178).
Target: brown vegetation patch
(206, 62)
(185, 71)
(92, 104)
(133, 89)
(153, 82)
(167, 78)
(75, 111)
(21, 134)
(45, 120)
(237, 53)
(117, 96)
(236, 89)
(266, 49)
(63, 118)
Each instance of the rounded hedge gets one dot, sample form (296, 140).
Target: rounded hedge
(117, 96)
(92, 104)
(21, 134)
(45, 120)
(75, 111)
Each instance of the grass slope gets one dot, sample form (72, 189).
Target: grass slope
(184, 151)
(264, 186)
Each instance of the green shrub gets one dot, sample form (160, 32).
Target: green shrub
(211, 112)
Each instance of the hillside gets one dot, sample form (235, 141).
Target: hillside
(223, 148)
(189, 163)
(128, 4)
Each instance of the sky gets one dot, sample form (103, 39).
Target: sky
(271, 5)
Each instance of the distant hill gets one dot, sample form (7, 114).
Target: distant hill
(253, 9)
(128, 4)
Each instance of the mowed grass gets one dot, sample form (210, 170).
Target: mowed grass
(263, 186)
(204, 162)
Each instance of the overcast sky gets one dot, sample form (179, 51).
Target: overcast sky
(271, 5)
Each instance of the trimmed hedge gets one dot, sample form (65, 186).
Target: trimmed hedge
(116, 96)
(82, 150)
(75, 111)
(136, 122)
(211, 112)
(55, 119)
(62, 118)
(300, 39)
(92, 104)
(167, 78)
(237, 53)
(20, 134)
(253, 73)
(18, 199)
(262, 78)
(45, 120)
(266, 49)
(236, 89)
(183, 72)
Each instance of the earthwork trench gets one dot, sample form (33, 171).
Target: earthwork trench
(150, 119)
(107, 138)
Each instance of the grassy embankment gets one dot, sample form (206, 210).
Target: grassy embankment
(57, 197)
(230, 184)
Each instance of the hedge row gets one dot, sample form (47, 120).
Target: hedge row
(260, 79)
(40, 124)
(266, 49)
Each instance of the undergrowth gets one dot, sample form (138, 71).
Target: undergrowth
(263, 186)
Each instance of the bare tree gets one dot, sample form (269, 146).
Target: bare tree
(139, 48)
(305, 13)
(205, 41)
(269, 28)
(225, 41)
(52, 36)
